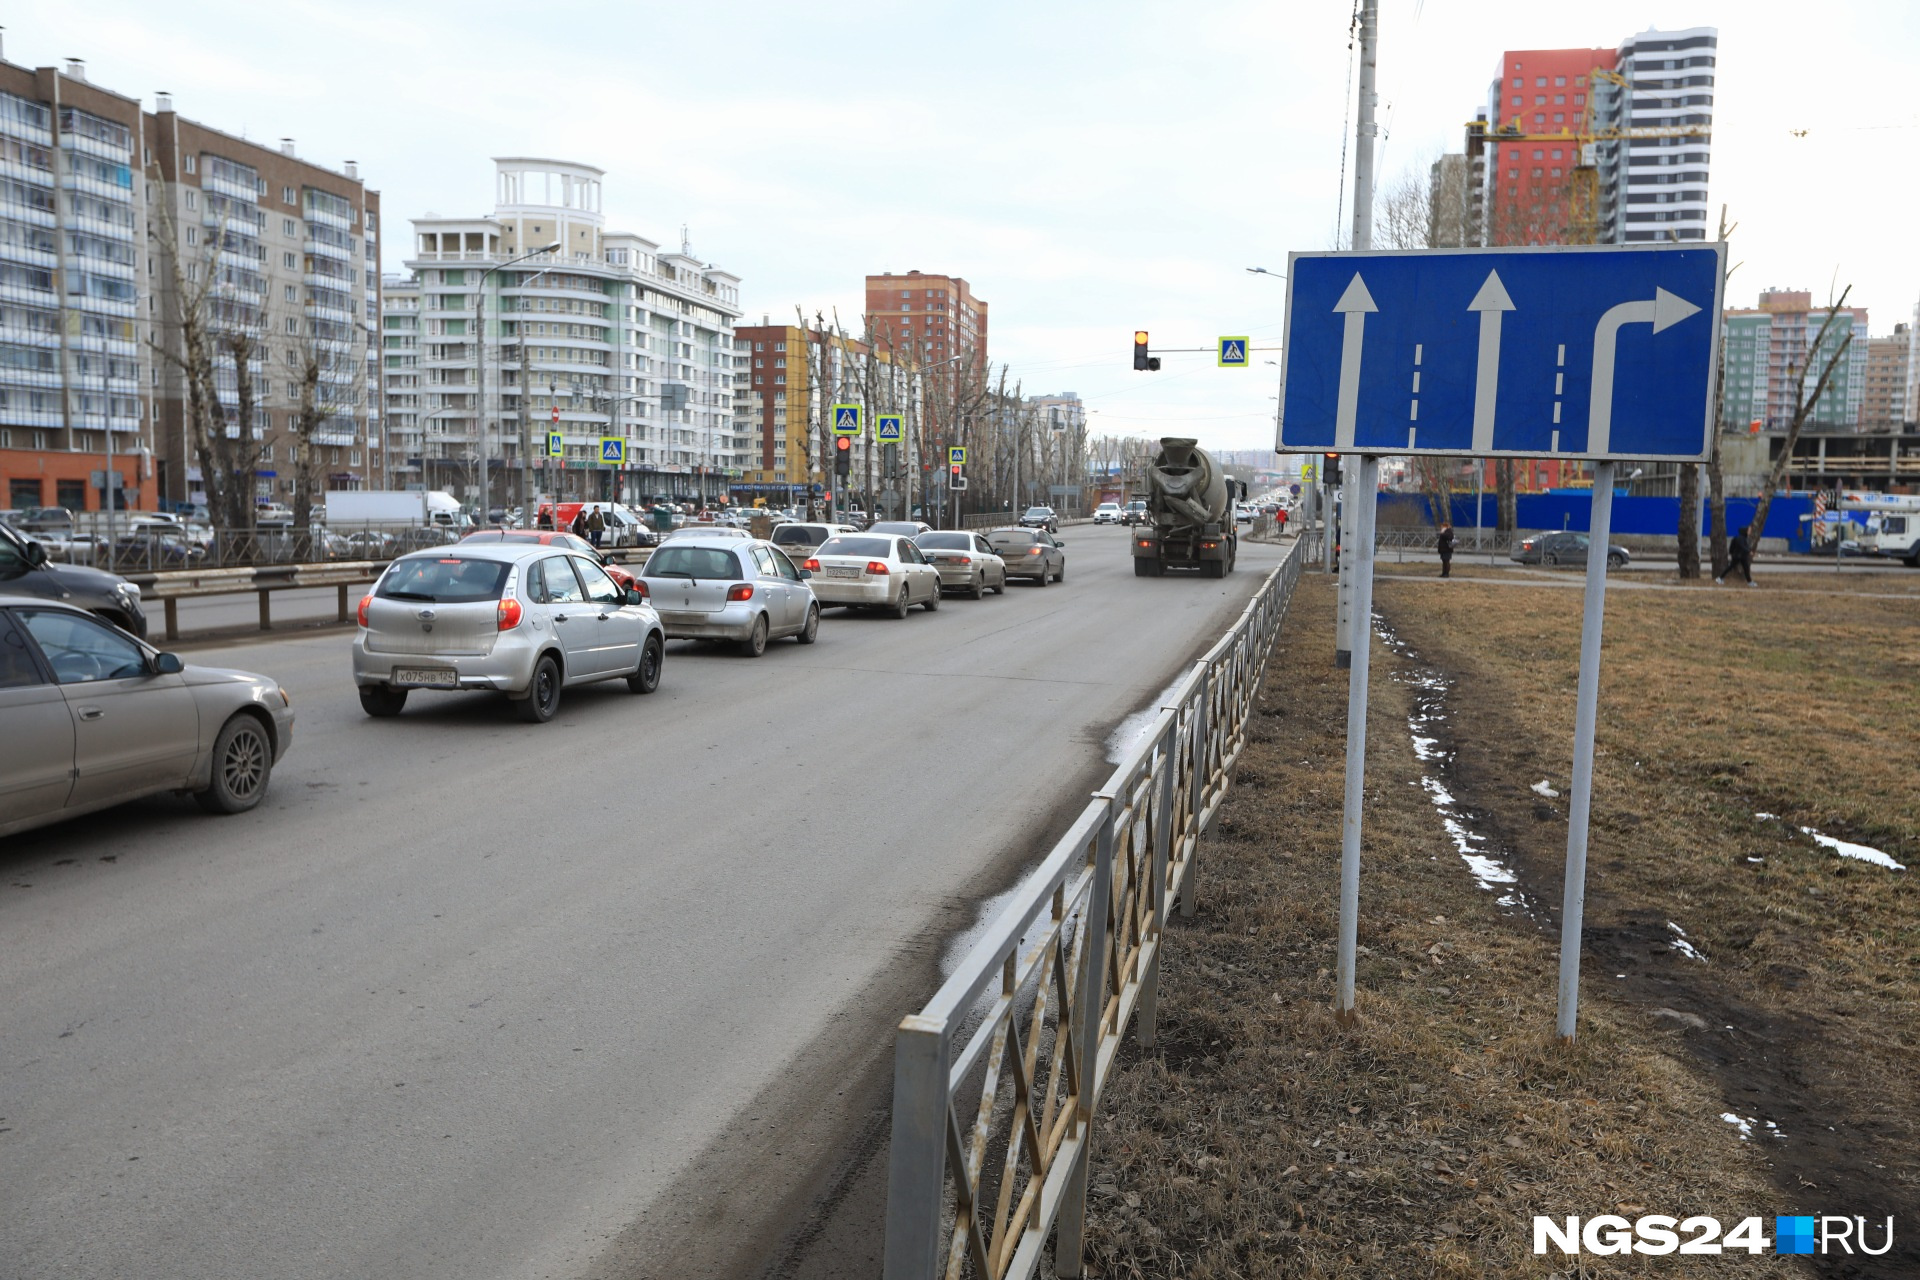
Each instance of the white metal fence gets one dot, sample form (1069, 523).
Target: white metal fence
(996, 1081)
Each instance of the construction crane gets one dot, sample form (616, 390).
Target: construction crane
(1583, 191)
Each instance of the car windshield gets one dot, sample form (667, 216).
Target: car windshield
(444, 580)
(692, 562)
(1037, 511)
(1012, 538)
(946, 541)
(845, 546)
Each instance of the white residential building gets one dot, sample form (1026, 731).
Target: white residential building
(1655, 189)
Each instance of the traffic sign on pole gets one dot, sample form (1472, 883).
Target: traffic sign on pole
(556, 445)
(556, 413)
(846, 419)
(613, 449)
(1586, 352)
(957, 455)
(888, 428)
(1233, 352)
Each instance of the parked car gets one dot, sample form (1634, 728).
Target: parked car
(1107, 513)
(965, 561)
(555, 538)
(709, 587)
(370, 544)
(95, 717)
(153, 551)
(1030, 553)
(25, 571)
(1040, 518)
(523, 619)
(1134, 513)
(873, 571)
(1565, 547)
(801, 539)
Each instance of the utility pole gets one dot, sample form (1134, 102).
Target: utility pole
(1346, 625)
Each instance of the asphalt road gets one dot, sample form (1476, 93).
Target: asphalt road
(468, 998)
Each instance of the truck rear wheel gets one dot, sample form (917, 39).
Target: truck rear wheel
(1216, 568)
(1142, 569)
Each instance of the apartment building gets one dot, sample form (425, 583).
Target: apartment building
(928, 319)
(285, 251)
(1884, 405)
(75, 412)
(1654, 189)
(1770, 357)
(790, 379)
(401, 445)
(1532, 193)
(594, 334)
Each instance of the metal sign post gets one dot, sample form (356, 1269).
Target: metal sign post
(1573, 900)
(1357, 553)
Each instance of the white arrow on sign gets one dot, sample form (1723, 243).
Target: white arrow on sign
(1664, 311)
(1490, 302)
(1354, 305)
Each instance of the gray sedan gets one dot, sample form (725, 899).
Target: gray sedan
(95, 717)
(714, 587)
(965, 561)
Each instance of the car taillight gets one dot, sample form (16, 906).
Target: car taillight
(640, 586)
(878, 568)
(740, 591)
(365, 602)
(1033, 551)
(509, 613)
(811, 565)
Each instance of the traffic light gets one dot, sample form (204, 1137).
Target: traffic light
(1141, 360)
(843, 455)
(1331, 471)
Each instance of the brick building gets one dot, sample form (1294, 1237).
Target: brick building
(927, 319)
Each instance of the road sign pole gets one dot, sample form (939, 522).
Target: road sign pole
(1360, 549)
(1364, 128)
(1573, 899)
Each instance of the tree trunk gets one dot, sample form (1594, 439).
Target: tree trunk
(1716, 509)
(1689, 530)
(1508, 518)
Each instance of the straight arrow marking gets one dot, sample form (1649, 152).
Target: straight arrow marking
(1490, 302)
(1663, 311)
(1354, 304)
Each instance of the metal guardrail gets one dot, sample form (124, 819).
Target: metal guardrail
(1054, 982)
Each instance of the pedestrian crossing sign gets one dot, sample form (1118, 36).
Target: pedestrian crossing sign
(1233, 353)
(556, 445)
(846, 419)
(957, 456)
(887, 428)
(613, 449)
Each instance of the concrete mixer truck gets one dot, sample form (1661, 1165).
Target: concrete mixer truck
(1189, 524)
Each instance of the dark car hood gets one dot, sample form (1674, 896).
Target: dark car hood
(78, 579)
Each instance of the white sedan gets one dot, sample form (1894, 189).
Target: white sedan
(873, 571)
(965, 561)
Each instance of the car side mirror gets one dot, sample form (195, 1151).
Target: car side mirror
(634, 597)
(36, 555)
(167, 664)
(806, 573)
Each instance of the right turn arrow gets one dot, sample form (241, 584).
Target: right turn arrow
(1663, 311)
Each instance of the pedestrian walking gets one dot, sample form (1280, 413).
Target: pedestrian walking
(596, 527)
(579, 525)
(1739, 556)
(1445, 544)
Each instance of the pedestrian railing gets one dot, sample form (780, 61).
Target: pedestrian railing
(998, 1078)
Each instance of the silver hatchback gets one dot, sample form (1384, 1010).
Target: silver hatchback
(711, 587)
(526, 621)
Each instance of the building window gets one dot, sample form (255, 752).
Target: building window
(1539, 99)
(1539, 154)
(1518, 101)
(1518, 83)
(1560, 99)
(193, 235)
(1560, 82)
(1579, 99)
(1556, 153)
(290, 261)
(191, 161)
(193, 199)
(287, 228)
(1540, 82)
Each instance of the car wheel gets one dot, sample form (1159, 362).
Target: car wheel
(1044, 576)
(756, 642)
(899, 607)
(810, 632)
(1002, 588)
(242, 764)
(1616, 561)
(653, 656)
(933, 601)
(1062, 575)
(382, 700)
(543, 693)
(979, 587)
(1549, 559)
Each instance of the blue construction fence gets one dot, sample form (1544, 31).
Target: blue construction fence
(1790, 517)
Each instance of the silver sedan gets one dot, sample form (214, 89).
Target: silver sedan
(712, 587)
(965, 561)
(94, 717)
(871, 571)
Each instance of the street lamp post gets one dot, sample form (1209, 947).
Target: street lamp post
(480, 367)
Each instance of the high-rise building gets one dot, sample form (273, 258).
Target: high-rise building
(790, 379)
(1655, 189)
(1530, 184)
(403, 434)
(928, 319)
(1884, 406)
(1770, 359)
(599, 335)
(72, 327)
(290, 253)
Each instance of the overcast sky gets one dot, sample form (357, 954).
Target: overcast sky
(1091, 167)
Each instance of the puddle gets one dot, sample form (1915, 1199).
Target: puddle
(1425, 722)
(1848, 849)
(1127, 734)
(1683, 946)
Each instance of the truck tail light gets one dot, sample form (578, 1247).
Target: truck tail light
(366, 601)
(878, 568)
(740, 591)
(509, 613)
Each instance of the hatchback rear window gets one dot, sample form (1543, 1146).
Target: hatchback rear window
(794, 535)
(692, 562)
(945, 541)
(845, 546)
(1011, 538)
(444, 580)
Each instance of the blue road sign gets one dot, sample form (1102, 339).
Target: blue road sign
(887, 428)
(846, 419)
(1233, 353)
(556, 445)
(613, 449)
(1580, 352)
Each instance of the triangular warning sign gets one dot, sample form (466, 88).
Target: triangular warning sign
(847, 418)
(1234, 353)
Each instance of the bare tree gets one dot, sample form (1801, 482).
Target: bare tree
(1804, 403)
(1688, 561)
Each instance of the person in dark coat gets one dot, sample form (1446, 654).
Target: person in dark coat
(1739, 556)
(1445, 544)
(579, 525)
(596, 526)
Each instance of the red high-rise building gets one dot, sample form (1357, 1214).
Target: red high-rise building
(1540, 91)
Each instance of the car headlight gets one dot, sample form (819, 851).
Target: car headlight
(127, 592)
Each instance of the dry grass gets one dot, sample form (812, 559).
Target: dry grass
(1258, 1138)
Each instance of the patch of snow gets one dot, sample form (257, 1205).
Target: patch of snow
(1439, 793)
(1756, 859)
(1427, 748)
(1745, 1126)
(1684, 947)
(1767, 817)
(1862, 852)
(1544, 787)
